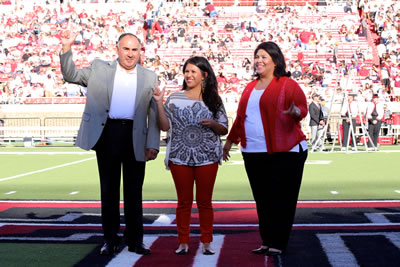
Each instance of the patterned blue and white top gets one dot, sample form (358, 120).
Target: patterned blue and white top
(190, 143)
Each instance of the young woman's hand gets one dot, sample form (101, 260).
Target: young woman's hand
(213, 125)
(210, 123)
(158, 94)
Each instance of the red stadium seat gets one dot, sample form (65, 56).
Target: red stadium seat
(248, 3)
(224, 2)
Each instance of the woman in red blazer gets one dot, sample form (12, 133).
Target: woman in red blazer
(274, 148)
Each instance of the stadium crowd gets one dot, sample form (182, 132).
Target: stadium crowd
(29, 44)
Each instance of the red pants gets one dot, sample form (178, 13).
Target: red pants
(184, 178)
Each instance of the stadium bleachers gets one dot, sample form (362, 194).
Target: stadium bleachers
(298, 15)
(238, 13)
(242, 50)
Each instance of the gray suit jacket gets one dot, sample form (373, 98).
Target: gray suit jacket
(99, 80)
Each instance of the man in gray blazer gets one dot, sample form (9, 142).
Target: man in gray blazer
(120, 123)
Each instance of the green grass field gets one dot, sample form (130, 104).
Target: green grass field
(42, 254)
(69, 173)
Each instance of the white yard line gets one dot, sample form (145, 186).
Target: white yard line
(318, 162)
(128, 259)
(46, 153)
(44, 170)
(24, 222)
(308, 162)
(164, 219)
(207, 260)
(214, 201)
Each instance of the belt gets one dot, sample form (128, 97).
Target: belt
(120, 121)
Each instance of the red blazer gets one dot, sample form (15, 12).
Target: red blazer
(282, 132)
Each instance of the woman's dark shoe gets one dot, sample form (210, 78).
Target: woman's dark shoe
(207, 250)
(273, 252)
(182, 250)
(260, 250)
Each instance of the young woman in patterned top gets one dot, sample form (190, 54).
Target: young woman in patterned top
(195, 118)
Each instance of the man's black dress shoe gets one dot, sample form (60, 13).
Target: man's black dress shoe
(139, 249)
(273, 253)
(260, 250)
(109, 249)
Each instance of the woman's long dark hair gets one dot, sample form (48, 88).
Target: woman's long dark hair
(210, 94)
(277, 57)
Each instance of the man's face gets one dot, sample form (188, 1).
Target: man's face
(128, 52)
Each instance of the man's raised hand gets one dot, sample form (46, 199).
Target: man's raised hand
(67, 39)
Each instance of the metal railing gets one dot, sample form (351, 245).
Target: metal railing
(37, 129)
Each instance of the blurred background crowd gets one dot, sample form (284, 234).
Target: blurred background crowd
(354, 47)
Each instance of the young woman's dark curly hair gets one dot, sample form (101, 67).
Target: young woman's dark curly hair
(277, 57)
(210, 94)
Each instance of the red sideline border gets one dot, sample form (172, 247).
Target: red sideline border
(172, 204)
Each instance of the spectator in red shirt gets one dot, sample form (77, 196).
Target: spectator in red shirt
(305, 39)
(83, 14)
(210, 11)
(14, 66)
(313, 36)
(300, 57)
(234, 78)
(221, 78)
(245, 38)
(110, 13)
(396, 83)
(363, 71)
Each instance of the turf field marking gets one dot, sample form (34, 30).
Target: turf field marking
(336, 250)
(6, 204)
(70, 217)
(334, 192)
(318, 162)
(10, 193)
(397, 191)
(128, 259)
(306, 226)
(164, 219)
(46, 153)
(340, 255)
(201, 260)
(74, 193)
(308, 162)
(235, 162)
(377, 217)
(74, 237)
(44, 170)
